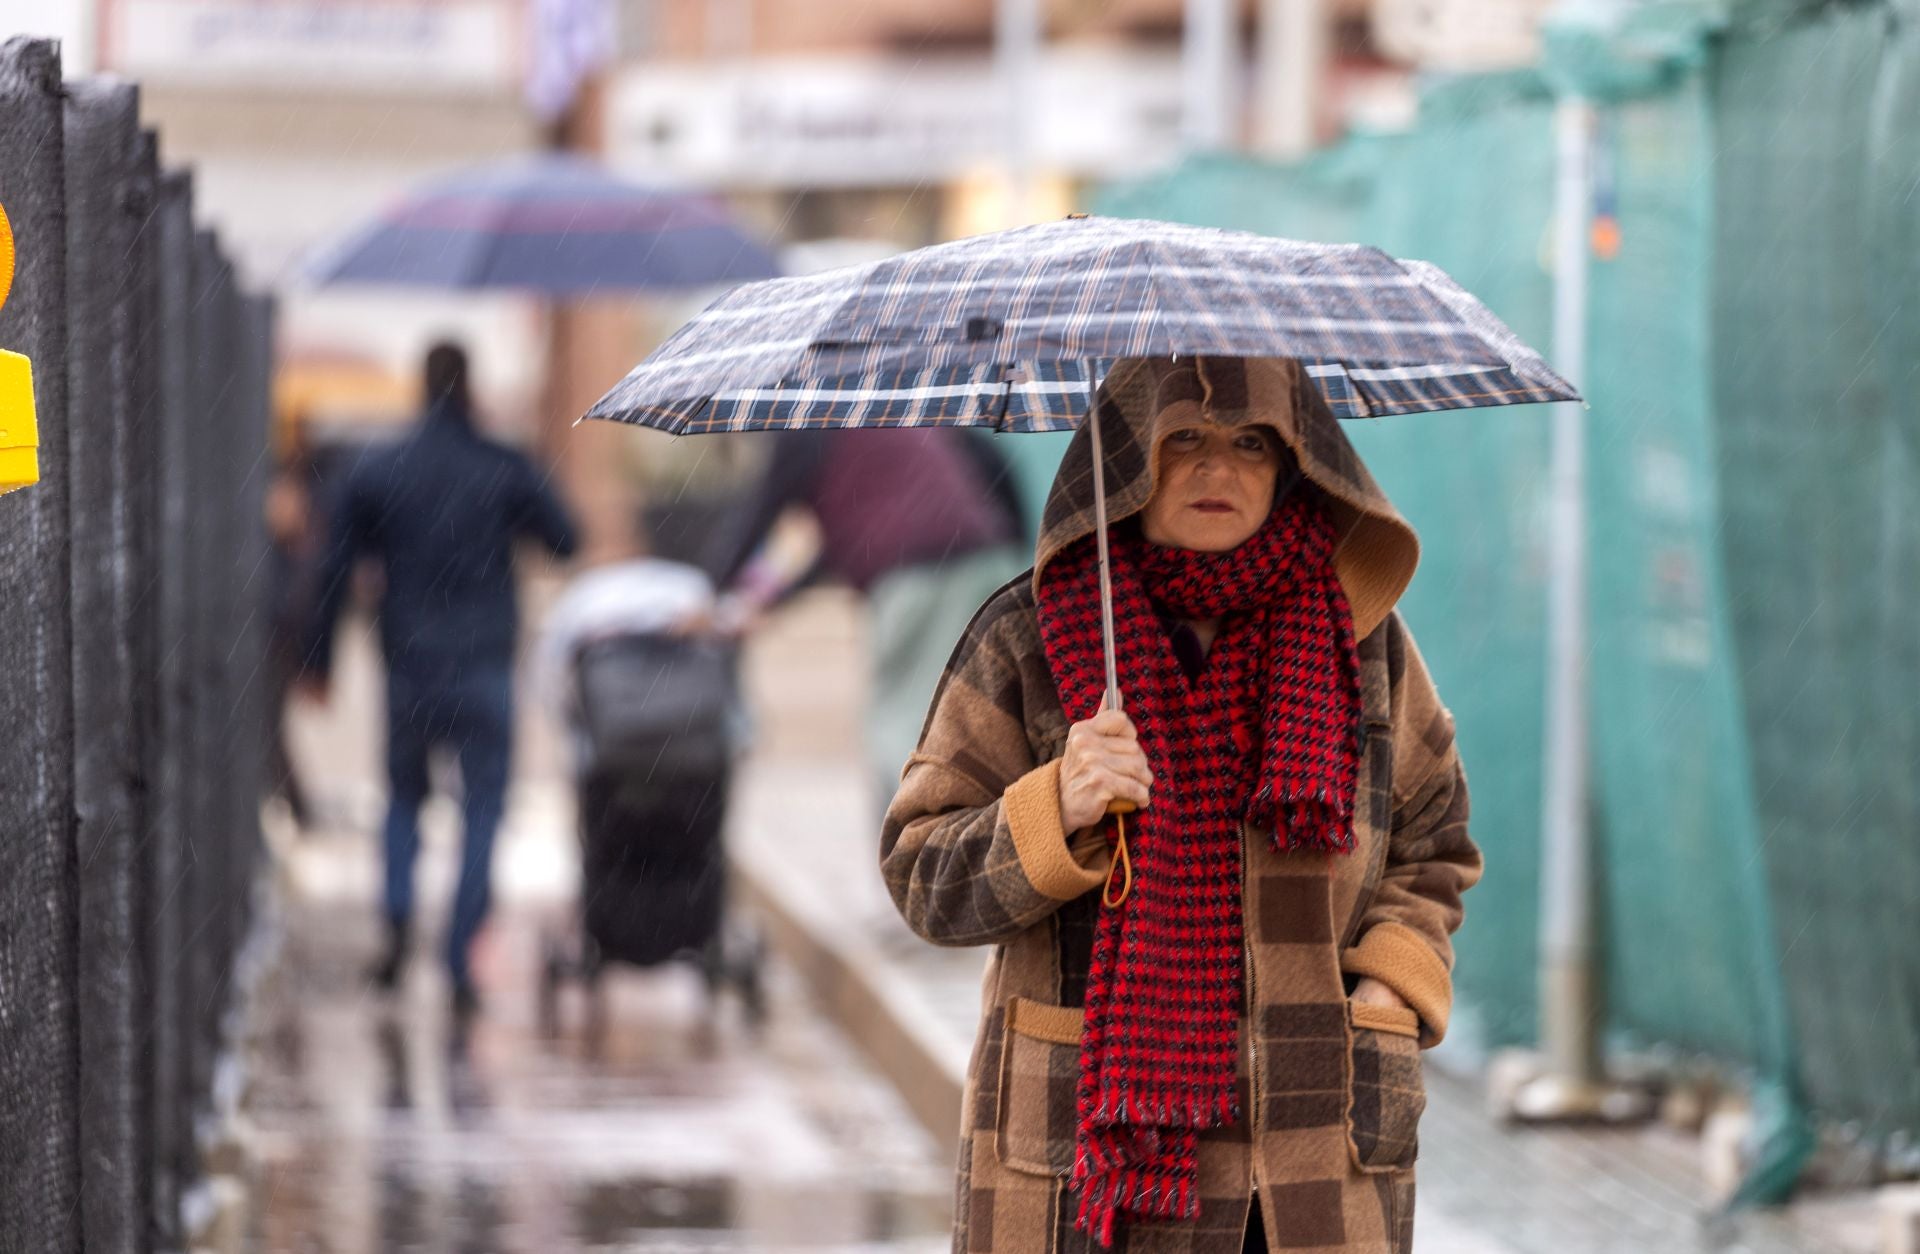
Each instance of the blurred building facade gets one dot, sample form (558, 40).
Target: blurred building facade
(910, 119)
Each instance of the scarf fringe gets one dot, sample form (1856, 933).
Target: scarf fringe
(1139, 1195)
(1317, 822)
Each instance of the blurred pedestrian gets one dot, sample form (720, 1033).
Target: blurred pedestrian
(925, 522)
(1205, 1016)
(441, 511)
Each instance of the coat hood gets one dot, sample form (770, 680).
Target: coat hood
(1144, 399)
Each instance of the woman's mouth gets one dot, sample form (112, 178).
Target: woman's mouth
(1212, 505)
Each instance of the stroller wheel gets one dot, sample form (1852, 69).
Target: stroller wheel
(712, 961)
(753, 998)
(745, 965)
(553, 969)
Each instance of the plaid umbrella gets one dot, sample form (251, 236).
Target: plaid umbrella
(1011, 330)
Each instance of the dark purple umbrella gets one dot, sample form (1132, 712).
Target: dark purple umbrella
(551, 224)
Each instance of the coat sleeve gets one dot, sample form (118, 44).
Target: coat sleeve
(1405, 938)
(538, 512)
(972, 847)
(793, 465)
(350, 535)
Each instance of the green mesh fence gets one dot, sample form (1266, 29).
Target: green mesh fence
(1816, 308)
(1753, 358)
(1672, 808)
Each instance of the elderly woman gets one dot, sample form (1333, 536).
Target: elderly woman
(1212, 1043)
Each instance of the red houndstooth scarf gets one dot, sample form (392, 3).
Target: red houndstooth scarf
(1268, 732)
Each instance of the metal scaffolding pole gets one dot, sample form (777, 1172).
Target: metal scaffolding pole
(1211, 74)
(1290, 55)
(1566, 915)
(1018, 32)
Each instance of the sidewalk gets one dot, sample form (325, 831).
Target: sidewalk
(804, 840)
(374, 1123)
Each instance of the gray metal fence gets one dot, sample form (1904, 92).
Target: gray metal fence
(39, 1017)
(132, 697)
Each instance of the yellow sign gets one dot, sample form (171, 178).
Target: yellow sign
(6, 255)
(19, 433)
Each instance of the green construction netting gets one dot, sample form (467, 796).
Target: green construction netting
(1754, 351)
(1816, 357)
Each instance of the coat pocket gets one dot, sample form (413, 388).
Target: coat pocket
(1039, 1073)
(1386, 1090)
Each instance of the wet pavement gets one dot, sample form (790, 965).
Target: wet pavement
(672, 1125)
(664, 1122)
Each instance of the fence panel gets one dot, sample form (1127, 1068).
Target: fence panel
(102, 141)
(175, 423)
(39, 1055)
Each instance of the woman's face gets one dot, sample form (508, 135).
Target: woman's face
(1215, 488)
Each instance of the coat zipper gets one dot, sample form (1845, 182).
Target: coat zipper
(1253, 1027)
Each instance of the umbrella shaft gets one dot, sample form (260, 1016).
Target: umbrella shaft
(1100, 531)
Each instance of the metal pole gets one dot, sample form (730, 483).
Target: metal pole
(1292, 55)
(1211, 70)
(1566, 923)
(1018, 35)
(1100, 541)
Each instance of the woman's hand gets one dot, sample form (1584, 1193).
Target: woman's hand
(1103, 761)
(1375, 993)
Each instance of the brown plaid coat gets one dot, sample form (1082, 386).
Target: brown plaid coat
(974, 853)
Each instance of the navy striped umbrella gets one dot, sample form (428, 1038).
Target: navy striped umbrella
(1010, 330)
(551, 224)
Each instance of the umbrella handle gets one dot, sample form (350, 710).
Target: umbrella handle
(1122, 863)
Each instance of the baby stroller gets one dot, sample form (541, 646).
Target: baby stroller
(653, 725)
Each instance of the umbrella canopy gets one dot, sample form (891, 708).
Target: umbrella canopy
(1010, 330)
(551, 224)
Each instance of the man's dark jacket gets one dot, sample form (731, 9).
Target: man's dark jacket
(441, 510)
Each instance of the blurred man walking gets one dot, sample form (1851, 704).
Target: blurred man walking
(441, 511)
